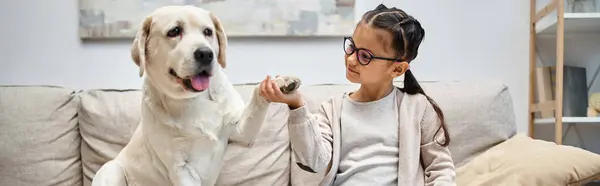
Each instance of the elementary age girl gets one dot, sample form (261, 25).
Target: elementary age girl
(379, 134)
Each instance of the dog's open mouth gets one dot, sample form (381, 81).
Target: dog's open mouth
(197, 83)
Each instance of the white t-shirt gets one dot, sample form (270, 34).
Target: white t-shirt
(369, 142)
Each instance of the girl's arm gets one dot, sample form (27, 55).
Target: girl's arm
(311, 139)
(437, 161)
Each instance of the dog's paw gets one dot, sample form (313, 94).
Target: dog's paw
(287, 84)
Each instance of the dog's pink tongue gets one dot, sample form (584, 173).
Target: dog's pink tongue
(200, 82)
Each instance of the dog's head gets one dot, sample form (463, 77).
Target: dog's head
(178, 47)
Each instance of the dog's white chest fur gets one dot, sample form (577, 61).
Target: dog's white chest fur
(195, 161)
(194, 118)
(190, 140)
(206, 166)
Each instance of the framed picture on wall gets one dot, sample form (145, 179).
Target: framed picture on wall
(110, 19)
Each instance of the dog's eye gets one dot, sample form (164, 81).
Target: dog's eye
(174, 32)
(208, 32)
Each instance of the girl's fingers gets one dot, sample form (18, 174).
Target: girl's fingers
(264, 87)
(276, 91)
(270, 90)
(267, 79)
(269, 87)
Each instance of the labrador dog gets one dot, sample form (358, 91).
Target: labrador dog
(190, 111)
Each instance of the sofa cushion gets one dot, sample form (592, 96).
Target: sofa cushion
(267, 162)
(39, 136)
(479, 115)
(107, 119)
(525, 161)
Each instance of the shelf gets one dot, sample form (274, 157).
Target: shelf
(567, 120)
(575, 23)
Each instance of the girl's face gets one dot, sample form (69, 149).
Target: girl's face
(370, 58)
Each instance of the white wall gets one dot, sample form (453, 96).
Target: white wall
(465, 40)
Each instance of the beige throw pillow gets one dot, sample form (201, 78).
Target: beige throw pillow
(521, 160)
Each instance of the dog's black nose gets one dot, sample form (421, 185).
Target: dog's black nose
(203, 55)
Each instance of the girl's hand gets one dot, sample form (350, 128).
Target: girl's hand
(270, 91)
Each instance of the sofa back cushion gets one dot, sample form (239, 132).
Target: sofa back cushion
(479, 116)
(39, 136)
(267, 162)
(107, 119)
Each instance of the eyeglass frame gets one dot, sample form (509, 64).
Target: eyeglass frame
(372, 56)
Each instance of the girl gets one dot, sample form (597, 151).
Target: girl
(379, 134)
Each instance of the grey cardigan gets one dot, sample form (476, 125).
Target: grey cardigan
(315, 141)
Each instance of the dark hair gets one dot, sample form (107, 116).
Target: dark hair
(407, 36)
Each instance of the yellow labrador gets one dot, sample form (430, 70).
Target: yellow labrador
(190, 111)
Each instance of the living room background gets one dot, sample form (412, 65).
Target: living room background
(465, 40)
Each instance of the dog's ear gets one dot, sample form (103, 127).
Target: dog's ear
(138, 47)
(222, 38)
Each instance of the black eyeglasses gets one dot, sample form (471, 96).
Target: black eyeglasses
(363, 56)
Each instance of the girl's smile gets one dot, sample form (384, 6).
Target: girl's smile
(351, 71)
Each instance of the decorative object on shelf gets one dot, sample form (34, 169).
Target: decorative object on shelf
(575, 94)
(544, 91)
(592, 112)
(594, 105)
(101, 19)
(581, 6)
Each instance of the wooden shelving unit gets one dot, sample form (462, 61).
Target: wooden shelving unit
(569, 23)
(580, 23)
(576, 120)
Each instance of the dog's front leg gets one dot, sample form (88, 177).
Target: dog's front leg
(249, 118)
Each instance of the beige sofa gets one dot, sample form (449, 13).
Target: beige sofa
(60, 136)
